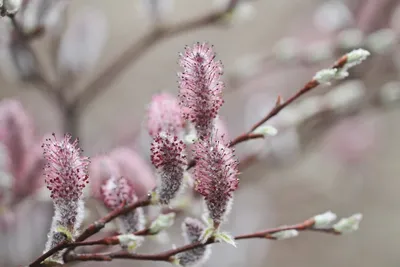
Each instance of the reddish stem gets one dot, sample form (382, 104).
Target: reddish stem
(278, 107)
(168, 255)
(93, 229)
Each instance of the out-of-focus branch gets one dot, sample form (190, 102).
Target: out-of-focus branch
(138, 49)
(42, 82)
(168, 256)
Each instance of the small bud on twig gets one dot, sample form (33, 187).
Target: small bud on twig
(130, 241)
(348, 225)
(162, 222)
(266, 130)
(324, 220)
(286, 234)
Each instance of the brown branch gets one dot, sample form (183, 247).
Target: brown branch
(280, 106)
(42, 82)
(93, 229)
(168, 256)
(107, 241)
(113, 240)
(98, 225)
(277, 108)
(138, 49)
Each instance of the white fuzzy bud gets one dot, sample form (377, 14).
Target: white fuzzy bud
(324, 220)
(348, 225)
(266, 130)
(354, 58)
(286, 234)
(325, 76)
(162, 222)
(12, 6)
(130, 241)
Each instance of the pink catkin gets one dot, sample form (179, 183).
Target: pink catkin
(65, 169)
(18, 132)
(117, 191)
(120, 191)
(133, 167)
(168, 157)
(164, 115)
(200, 87)
(101, 168)
(216, 175)
(32, 177)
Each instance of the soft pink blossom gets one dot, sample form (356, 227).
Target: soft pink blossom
(200, 87)
(133, 167)
(17, 128)
(101, 168)
(120, 191)
(25, 161)
(65, 169)
(164, 115)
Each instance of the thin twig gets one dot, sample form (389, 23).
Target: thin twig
(168, 256)
(98, 225)
(138, 49)
(281, 105)
(93, 229)
(277, 108)
(107, 241)
(41, 81)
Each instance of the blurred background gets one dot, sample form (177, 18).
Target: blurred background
(91, 68)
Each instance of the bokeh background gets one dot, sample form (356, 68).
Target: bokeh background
(337, 147)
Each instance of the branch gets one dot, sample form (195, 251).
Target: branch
(93, 229)
(168, 256)
(138, 49)
(107, 241)
(98, 225)
(279, 105)
(44, 85)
